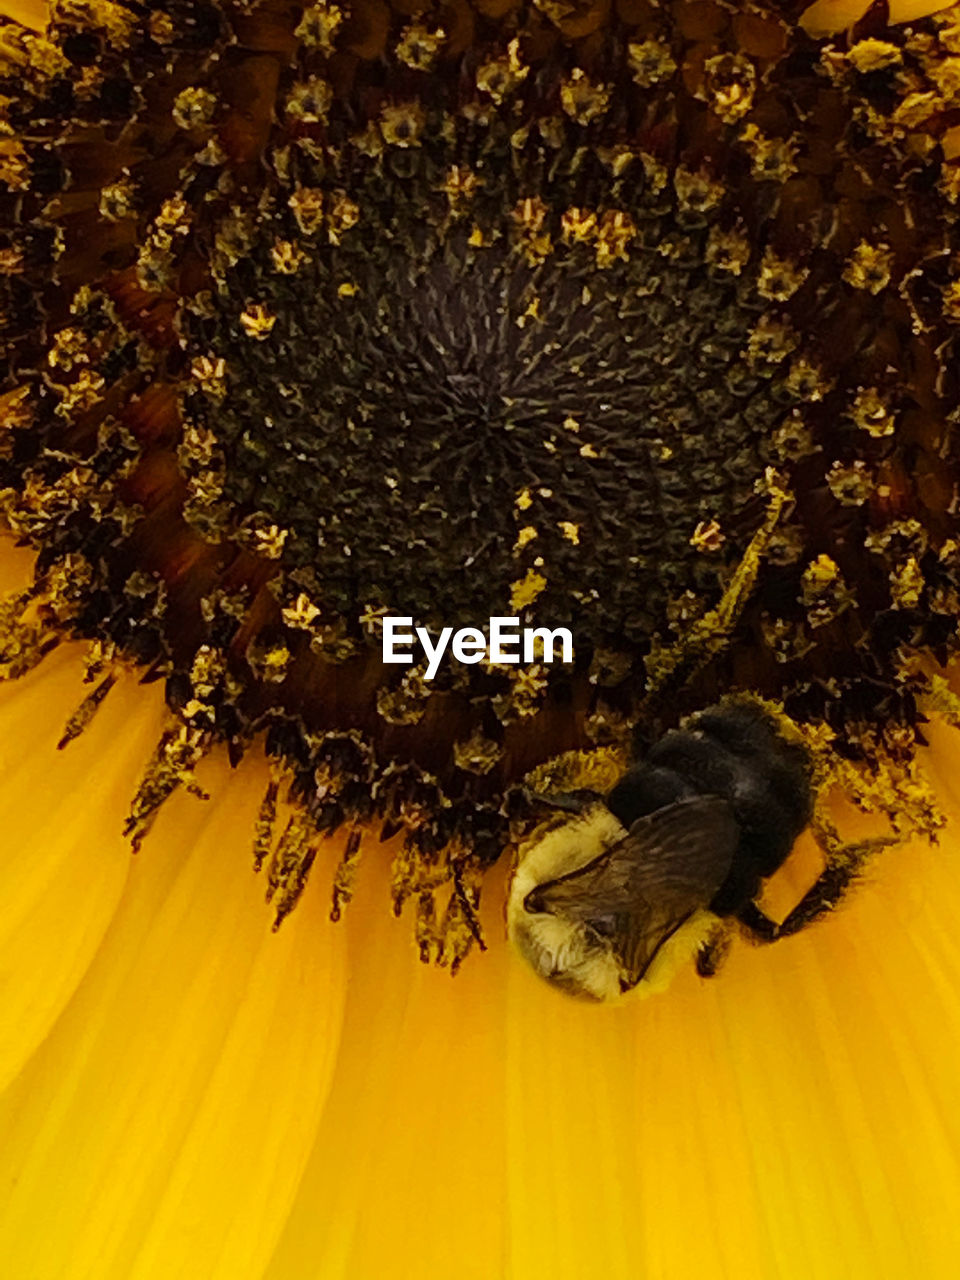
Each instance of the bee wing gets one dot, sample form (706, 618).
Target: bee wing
(638, 892)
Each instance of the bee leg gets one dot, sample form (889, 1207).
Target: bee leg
(712, 952)
(843, 869)
(762, 928)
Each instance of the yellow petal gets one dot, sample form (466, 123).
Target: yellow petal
(409, 1176)
(909, 10)
(827, 17)
(60, 883)
(32, 13)
(163, 1125)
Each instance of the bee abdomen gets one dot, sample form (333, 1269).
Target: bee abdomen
(735, 751)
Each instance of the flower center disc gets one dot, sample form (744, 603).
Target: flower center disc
(428, 420)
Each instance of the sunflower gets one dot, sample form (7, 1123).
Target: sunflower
(639, 318)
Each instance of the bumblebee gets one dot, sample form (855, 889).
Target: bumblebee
(628, 886)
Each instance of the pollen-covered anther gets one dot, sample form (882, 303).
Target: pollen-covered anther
(945, 73)
(773, 159)
(869, 267)
(269, 662)
(118, 200)
(258, 321)
(477, 754)
(16, 414)
(69, 349)
(697, 190)
(874, 55)
(11, 261)
(302, 614)
(950, 182)
(793, 439)
(207, 671)
(371, 619)
(779, 278)
(913, 115)
(651, 62)
(306, 204)
(871, 413)
(172, 765)
(83, 393)
(807, 381)
(906, 583)
(614, 235)
(232, 241)
(100, 655)
(530, 312)
(319, 25)
(528, 685)
(707, 536)
(262, 536)
(402, 124)
(582, 99)
(851, 483)
(771, 341)
(683, 609)
(729, 85)
(309, 101)
(526, 589)
(149, 590)
(825, 595)
(209, 373)
(728, 250)
(617, 158)
(504, 75)
(161, 28)
(14, 165)
(906, 534)
(286, 257)
(578, 225)
(342, 214)
(407, 702)
(528, 217)
(656, 172)
(460, 185)
(194, 108)
(951, 301)
(418, 46)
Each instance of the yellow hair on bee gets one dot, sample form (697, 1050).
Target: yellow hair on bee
(679, 949)
(561, 951)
